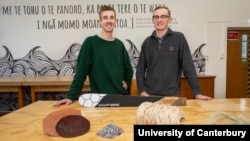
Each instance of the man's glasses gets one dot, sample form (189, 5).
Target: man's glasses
(162, 17)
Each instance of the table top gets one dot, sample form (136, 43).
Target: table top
(48, 80)
(11, 81)
(202, 76)
(26, 123)
(37, 81)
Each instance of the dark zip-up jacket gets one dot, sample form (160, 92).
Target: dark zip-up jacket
(161, 64)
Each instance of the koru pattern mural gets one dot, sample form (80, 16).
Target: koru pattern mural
(37, 63)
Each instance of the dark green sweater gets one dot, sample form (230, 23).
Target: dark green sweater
(106, 63)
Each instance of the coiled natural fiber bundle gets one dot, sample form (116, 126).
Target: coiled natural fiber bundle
(158, 113)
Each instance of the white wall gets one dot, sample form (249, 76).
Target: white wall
(202, 21)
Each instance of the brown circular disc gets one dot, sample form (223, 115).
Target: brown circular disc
(50, 121)
(72, 126)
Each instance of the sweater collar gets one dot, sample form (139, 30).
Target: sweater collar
(169, 31)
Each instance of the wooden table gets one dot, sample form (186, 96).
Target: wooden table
(26, 123)
(13, 84)
(50, 84)
(206, 84)
(37, 84)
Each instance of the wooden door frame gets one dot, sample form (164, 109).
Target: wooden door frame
(248, 56)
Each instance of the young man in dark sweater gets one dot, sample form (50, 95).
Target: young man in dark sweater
(164, 56)
(104, 59)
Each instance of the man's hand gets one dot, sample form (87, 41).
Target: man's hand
(203, 97)
(124, 85)
(144, 94)
(63, 101)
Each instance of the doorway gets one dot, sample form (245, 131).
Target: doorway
(238, 47)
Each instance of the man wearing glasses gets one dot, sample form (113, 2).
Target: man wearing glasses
(164, 56)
